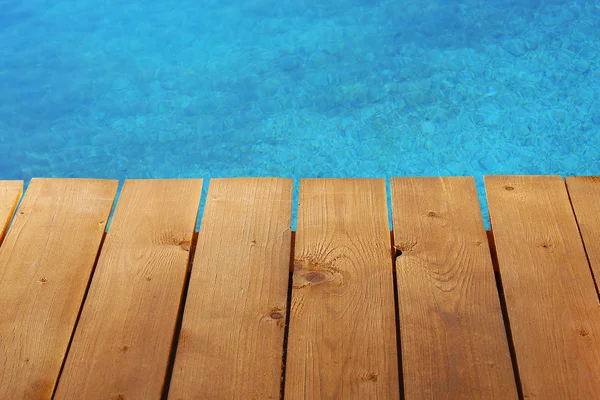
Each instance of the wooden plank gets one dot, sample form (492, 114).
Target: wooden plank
(231, 342)
(550, 295)
(10, 193)
(45, 265)
(584, 192)
(123, 340)
(342, 334)
(453, 337)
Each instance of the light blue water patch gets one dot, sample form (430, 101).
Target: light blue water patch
(299, 88)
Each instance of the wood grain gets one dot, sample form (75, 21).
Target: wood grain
(342, 334)
(231, 342)
(453, 337)
(123, 340)
(10, 193)
(584, 192)
(550, 295)
(45, 264)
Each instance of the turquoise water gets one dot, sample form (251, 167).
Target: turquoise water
(299, 88)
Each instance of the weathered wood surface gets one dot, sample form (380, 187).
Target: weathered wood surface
(231, 342)
(10, 193)
(342, 334)
(453, 337)
(584, 192)
(123, 340)
(45, 264)
(550, 295)
(342, 340)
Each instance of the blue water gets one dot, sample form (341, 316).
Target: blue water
(299, 88)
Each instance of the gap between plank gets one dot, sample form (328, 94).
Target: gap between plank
(395, 253)
(288, 309)
(83, 300)
(583, 242)
(180, 311)
(13, 214)
(509, 339)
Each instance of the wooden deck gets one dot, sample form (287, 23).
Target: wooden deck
(339, 309)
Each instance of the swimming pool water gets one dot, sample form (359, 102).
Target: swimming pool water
(299, 88)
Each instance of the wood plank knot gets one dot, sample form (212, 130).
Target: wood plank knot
(313, 273)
